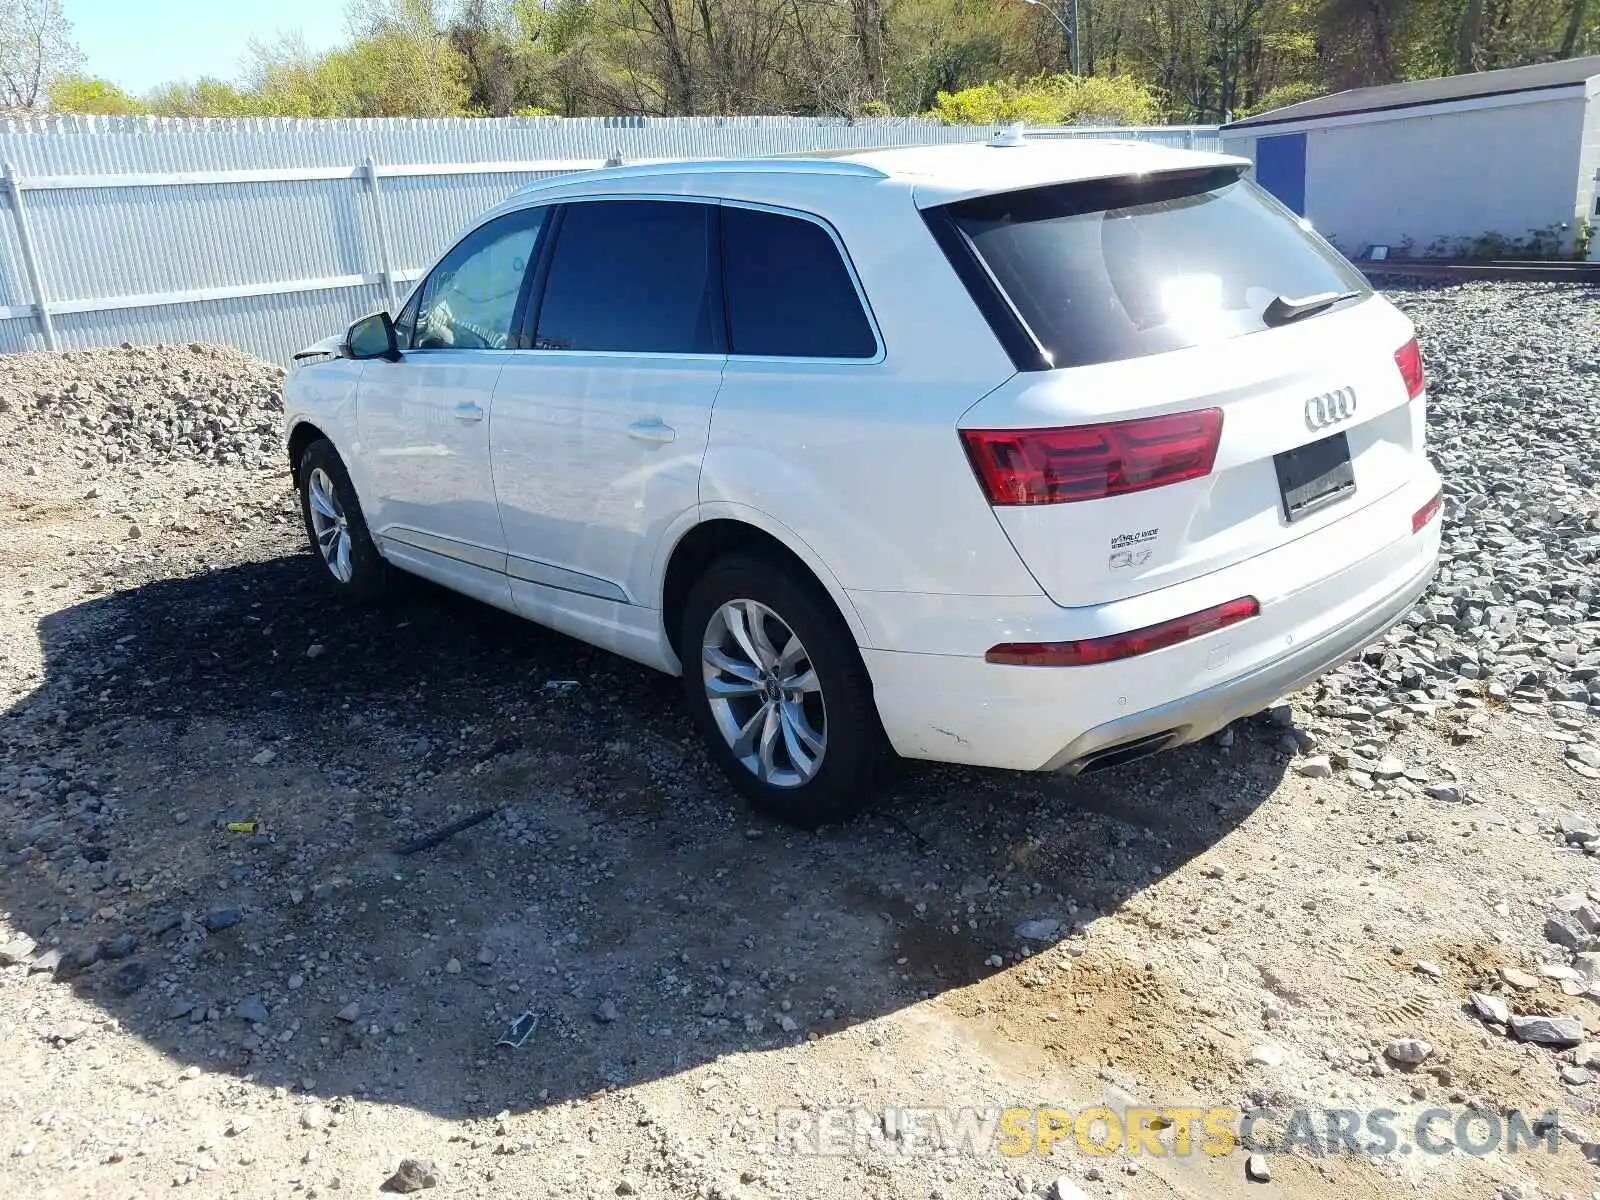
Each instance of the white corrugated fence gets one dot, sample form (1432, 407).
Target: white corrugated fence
(267, 234)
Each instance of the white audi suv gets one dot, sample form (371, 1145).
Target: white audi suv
(1038, 455)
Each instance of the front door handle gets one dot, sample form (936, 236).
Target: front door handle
(653, 430)
(467, 412)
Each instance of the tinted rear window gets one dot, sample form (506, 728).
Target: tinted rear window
(789, 294)
(1116, 269)
(631, 275)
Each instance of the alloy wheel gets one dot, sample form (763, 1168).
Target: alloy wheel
(764, 694)
(329, 525)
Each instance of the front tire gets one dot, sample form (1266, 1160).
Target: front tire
(349, 561)
(778, 691)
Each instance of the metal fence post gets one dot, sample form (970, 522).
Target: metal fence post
(30, 261)
(1188, 138)
(381, 227)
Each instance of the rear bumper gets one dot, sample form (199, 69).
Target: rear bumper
(956, 707)
(1190, 718)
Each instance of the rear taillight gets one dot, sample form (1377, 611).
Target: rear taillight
(1426, 513)
(1085, 462)
(1409, 359)
(1124, 645)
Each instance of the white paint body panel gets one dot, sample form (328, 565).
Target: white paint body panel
(858, 469)
(949, 704)
(424, 426)
(1261, 383)
(578, 490)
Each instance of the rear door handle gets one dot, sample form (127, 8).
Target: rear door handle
(468, 412)
(653, 430)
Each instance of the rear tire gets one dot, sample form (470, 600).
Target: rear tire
(347, 559)
(777, 689)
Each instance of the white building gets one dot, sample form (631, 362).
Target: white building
(1438, 161)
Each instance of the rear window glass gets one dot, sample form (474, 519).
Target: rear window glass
(1116, 269)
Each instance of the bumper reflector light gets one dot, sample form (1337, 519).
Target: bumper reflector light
(1426, 513)
(1125, 645)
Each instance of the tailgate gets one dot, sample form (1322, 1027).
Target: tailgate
(1327, 377)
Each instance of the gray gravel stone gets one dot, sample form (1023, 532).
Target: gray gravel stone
(78, 958)
(1576, 827)
(1585, 754)
(1280, 715)
(413, 1175)
(1490, 1008)
(1547, 1031)
(1407, 1051)
(121, 946)
(1566, 930)
(1389, 767)
(18, 950)
(1064, 1189)
(1518, 980)
(129, 978)
(1041, 930)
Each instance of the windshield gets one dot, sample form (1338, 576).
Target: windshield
(1114, 269)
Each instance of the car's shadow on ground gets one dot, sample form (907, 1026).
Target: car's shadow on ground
(619, 893)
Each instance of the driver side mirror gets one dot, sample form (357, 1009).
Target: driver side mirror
(372, 337)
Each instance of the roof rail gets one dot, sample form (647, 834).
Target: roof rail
(710, 166)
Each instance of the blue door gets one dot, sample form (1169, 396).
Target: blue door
(1281, 168)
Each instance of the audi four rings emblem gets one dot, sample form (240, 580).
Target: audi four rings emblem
(1330, 408)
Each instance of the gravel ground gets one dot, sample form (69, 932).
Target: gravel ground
(221, 969)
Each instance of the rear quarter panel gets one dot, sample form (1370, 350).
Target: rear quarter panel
(863, 459)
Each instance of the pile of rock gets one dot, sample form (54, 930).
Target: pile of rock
(1513, 619)
(145, 405)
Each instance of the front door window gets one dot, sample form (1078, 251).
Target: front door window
(471, 300)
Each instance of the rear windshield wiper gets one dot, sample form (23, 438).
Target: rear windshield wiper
(1284, 309)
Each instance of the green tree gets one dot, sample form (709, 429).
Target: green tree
(401, 63)
(1051, 100)
(205, 97)
(289, 81)
(961, 60)
(87, 96)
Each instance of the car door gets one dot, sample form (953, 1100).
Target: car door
(598, 431)
(424, 420)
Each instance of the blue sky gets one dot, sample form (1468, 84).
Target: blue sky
(138, 44)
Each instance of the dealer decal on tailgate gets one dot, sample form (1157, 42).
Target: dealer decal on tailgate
(1131, 549)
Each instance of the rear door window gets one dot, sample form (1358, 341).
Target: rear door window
(632, 276)
(789, 293)
(1115, 269)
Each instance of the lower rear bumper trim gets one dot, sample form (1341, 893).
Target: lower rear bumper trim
(1192, 717)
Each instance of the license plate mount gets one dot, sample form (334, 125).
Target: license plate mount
(1313, 476)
